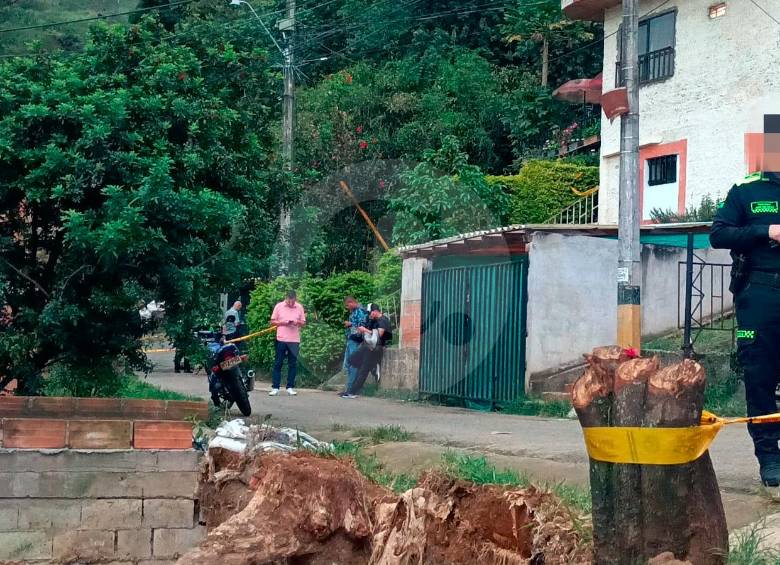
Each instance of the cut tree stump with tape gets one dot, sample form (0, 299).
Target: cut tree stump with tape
(641, 511)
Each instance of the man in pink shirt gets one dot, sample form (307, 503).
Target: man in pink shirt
(288, 317)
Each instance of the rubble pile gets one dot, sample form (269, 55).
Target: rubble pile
(303, 508)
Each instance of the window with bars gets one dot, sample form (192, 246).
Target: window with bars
(656, 49)
(662, 170)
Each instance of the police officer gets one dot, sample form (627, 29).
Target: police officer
(748, 223)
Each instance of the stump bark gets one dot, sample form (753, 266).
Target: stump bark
(641, 511)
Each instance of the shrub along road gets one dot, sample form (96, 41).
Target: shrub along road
(551, 449)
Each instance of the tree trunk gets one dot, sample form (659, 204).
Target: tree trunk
(640, 511)
(545, 60)
(630, 390)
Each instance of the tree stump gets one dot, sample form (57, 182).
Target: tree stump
(641, 511)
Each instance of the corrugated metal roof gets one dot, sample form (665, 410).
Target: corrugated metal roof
(596, 229)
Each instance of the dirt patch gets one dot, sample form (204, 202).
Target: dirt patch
(304, 509)
(446, 521)
(225, 489)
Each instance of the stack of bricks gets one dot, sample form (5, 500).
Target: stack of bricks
(98, 480)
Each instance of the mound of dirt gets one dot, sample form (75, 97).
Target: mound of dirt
(300, 509)
(446, 521)
(305, 509)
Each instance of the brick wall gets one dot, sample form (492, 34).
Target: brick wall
(411, 324)
(103, 506)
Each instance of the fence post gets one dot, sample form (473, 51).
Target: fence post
(687, 345)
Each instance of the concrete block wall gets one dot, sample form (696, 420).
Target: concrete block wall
(400, 369)
(103, 506)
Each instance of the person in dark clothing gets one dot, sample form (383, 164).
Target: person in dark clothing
(748, 223)
(368, 357)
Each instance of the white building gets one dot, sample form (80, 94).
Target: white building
(710, 72)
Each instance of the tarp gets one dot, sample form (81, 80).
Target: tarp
(700, 240)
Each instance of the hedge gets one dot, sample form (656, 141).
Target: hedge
(543, 188)
(322, 339)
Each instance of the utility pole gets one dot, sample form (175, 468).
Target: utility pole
(287, 26)
(629, 323)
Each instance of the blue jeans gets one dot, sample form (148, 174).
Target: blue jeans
(290, 351)
(352, 372)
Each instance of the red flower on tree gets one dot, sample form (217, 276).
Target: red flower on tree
(381, 184)
(359, 129)
(363, 144)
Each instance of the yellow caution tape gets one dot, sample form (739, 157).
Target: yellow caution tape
(661, 446)
(584, 193)
(243, 338)
(253, 335)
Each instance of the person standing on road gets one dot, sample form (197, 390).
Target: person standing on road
(232, 322)
(288, 317)
(748, 223)
(357, 317)
(370, 353)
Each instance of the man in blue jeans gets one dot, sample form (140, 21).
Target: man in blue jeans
(357, 317)
(288, 317)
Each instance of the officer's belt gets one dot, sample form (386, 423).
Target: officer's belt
(764, 278)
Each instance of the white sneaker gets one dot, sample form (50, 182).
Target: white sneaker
(291, 392)
(274, 392)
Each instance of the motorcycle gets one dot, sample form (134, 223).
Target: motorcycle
(229, 382)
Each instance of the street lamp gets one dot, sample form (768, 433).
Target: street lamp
(239, 2)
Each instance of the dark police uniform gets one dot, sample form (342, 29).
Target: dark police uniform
(742, 225)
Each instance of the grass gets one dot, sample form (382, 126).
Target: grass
(708, 341)
(480, 471)
(536, 407)
(746, 548)
(134, 387)
(383, 434)
(371, 468)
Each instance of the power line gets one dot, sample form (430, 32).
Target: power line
(98, 17)
(771, 17)
(601, 40)
(424, 17)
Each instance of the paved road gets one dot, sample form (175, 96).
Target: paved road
(555, 445)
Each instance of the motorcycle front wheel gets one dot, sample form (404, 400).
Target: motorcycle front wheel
(235, 383)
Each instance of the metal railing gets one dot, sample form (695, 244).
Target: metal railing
(702, 298)
(583, 211)
(391, 307)
(656, 65)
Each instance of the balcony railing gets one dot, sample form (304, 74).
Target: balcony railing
(653, 66)
(583, 211)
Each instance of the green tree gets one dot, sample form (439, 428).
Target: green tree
(444, 196)
(137, 170)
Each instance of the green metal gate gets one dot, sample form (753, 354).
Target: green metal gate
(473, 332)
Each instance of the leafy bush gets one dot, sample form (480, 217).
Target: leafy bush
(444, 196)
(388, 274)
(704, 212)
(544, 188)
(322, 339)
(322, 349)
(326, 296)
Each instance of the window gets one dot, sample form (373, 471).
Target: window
(662, 170)
(656, 49)
(717, 10)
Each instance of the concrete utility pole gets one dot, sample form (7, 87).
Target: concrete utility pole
(629, 258)
(287, 26)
